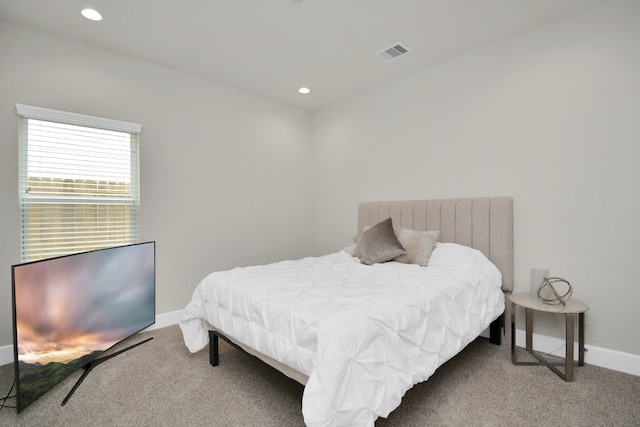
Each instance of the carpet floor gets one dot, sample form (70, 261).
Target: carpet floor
(160, 383)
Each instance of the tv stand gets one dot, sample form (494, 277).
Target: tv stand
(95, 362)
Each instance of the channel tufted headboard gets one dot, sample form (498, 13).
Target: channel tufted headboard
(484, 223)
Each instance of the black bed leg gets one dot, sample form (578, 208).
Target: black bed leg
(495, 331)
(213, 349)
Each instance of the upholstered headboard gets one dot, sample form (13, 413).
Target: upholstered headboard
(484, 223)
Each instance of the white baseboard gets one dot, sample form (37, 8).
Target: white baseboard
(166, 319)
(6, 354)
(162, 320)
(598, 356)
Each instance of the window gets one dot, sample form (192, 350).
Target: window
(78, 182)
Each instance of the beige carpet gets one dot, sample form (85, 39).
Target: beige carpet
(161, 384)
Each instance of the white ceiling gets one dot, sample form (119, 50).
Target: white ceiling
(273, 47)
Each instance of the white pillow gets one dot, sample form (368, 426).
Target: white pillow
(350, 249)
(448, 253)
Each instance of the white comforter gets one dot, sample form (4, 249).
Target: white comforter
(364, 335)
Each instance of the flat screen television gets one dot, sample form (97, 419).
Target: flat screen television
(69, 310)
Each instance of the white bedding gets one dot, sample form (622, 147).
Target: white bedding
(363, 335)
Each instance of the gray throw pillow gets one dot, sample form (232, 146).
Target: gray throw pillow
(379, 244)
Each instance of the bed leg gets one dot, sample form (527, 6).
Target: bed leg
(495, 331)
(213, 349)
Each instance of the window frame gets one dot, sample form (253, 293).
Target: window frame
(26, 201)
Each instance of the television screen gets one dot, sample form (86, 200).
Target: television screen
(70, 309)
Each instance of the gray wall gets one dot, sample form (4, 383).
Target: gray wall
(550, 117)
(216, 163)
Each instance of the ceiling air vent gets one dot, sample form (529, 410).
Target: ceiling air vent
(393, 52)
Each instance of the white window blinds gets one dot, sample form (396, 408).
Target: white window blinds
(78, 182)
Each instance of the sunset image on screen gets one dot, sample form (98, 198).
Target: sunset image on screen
(72, 306)
(69, 310)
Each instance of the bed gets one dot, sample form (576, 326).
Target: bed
(359, 335)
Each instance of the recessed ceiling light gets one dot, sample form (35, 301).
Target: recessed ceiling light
(304, 90)
(91, 14)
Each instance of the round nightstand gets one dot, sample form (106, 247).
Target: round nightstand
(571, 309)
